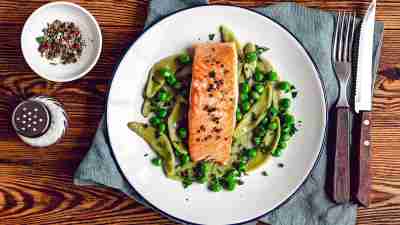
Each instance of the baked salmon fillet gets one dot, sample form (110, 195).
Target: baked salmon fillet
(213, 100)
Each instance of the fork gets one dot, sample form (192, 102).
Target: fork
(342, 60)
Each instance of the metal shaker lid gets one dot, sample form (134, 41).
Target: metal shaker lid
(31, 119)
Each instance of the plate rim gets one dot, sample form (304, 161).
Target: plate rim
(325, 102)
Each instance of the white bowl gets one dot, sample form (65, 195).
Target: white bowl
(64, 11)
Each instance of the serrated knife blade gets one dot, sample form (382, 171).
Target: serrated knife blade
(363, 94)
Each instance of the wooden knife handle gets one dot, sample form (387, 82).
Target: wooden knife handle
(341, 170)
(363, 177)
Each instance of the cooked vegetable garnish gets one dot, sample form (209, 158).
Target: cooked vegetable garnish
(264, 122)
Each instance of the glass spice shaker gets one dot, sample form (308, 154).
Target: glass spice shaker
(40, 121)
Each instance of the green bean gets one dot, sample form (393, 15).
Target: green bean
(258, 110)
(160, 145)
(156, 80)
(228, 36)
(176, 114)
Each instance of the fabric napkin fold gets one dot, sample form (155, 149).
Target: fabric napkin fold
(310, 205)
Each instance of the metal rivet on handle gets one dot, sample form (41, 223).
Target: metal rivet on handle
(367, 143)
(366, 122)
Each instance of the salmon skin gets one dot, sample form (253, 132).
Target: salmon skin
(213, 101)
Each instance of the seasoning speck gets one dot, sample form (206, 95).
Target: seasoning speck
(211, 37)
(281, 165)
(264, 173)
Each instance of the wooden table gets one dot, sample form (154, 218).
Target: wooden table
(36, 184)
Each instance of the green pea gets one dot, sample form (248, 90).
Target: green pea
(239, 115)
(241, 166)
(252, 153)
(215, 186)
(171, 80)
(243, 158)
(184, 159)
(165, 72)
(205, 168)
(245, 106)
(234, 173)
(162, 96)
(259, 88)
(288, 119)
(273, 112)
(182, 132)
(244, 96)
(231, 185)
(260, 131)
(155, 121)
(273, 126)
(257, 140)
(264, 122)
(245, 87)
(284, 103)
(277, 152)
(162, 127)
(162, 113)
(251, 57)
(156, 161)
(286, 130)
(272, 76)
(187, 182)
(255, 96)
(285, 137)
(258, 76)
(284, 86)
(184, 58)
(282, 145)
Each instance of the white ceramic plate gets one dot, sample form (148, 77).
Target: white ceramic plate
(68, 12)
(260, 194)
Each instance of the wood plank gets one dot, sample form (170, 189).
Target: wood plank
(36, 184)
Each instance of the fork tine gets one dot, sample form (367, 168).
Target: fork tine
(352, 37)
(347, 38)
(341, 32)
(335, 43)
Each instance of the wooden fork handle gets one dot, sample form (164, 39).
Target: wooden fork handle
(341, 170)
(363, 151)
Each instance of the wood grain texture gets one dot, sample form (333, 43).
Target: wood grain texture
(341, 170)
(36, 184)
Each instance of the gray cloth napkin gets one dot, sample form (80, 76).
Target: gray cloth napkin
(310, 205)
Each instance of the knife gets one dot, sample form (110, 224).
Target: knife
(363, 104)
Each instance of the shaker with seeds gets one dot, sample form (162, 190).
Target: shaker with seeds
(40, 121)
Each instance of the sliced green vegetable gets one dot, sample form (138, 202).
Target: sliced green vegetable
(258, 110)
(146, 107)
(160, 145)
(249, 67)
(177, 113)
(156, 80)
(228, 36)
(257, 161)
(272, 139)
